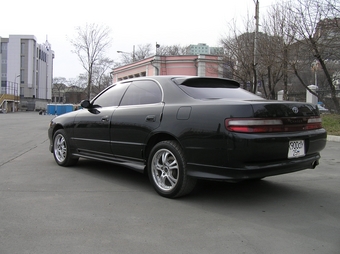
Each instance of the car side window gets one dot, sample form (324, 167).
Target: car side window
(142, 92)
(112, 96)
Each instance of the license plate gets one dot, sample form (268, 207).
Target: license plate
(296, 149)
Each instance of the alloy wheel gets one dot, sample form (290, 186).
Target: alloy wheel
(165, 170)
(60, 148)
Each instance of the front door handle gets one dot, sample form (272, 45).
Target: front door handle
(105, 118)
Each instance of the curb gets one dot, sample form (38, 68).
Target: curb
(333, 138)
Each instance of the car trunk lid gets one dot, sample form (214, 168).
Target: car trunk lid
(273, 116)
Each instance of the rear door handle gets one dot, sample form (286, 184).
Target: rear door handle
(150, 118)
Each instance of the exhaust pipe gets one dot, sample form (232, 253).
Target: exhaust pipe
(314, 164)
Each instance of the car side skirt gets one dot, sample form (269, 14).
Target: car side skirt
(135, 165)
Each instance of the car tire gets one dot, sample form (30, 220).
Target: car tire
(61, 149)
(167, 170)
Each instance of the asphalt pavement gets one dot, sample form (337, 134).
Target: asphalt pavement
(97, 207)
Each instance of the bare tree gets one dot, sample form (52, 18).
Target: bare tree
(81, 81)
(316, 29)
(172, 50)
(139, 53)
(144, 51)
(101, 78)
(59, 85)
(298, 38)
(275, 48)
(271, 53)
(239, 54)
(90, 45)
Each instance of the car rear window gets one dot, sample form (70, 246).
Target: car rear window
(210, 88)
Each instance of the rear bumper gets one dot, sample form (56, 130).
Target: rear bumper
(253, 171)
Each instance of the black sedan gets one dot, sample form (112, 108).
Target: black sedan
(178, 129)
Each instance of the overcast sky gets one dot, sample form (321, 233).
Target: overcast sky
(132, 22)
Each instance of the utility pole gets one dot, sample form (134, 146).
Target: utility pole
(255, 44)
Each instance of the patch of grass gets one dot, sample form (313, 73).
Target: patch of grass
(331, 122)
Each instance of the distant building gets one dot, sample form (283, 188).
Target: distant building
(328, 28)
(67, 94)
(193, 65)
(204, 49)
(26, 73)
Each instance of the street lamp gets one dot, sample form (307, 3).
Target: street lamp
(133, 53)
(17, 84)
(315, 67)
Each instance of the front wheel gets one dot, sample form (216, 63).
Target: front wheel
(61, 149)
(167, 170)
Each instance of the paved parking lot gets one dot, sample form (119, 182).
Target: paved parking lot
(100, 208)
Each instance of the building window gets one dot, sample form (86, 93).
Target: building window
(4, 46)
(22, 61)
(22, 77)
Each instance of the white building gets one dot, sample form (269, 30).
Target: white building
(26, 72)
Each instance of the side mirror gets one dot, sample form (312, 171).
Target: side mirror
(85, 104)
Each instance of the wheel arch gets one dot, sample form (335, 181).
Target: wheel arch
(55, 129)
(61, 148)
(156, 138)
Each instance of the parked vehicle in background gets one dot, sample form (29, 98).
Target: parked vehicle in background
(178, 129)
(322, 109)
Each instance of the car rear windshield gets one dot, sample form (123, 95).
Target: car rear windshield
(210, 88)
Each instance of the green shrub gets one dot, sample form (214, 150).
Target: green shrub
(331, 122)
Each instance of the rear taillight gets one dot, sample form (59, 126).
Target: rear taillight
(314, 123)
(271, 125)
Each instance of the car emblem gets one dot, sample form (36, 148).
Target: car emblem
(295, 110)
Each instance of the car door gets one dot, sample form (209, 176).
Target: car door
(138, 114)
(92, 125)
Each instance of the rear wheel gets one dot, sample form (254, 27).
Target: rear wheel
(61, 149)
(167, 170)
